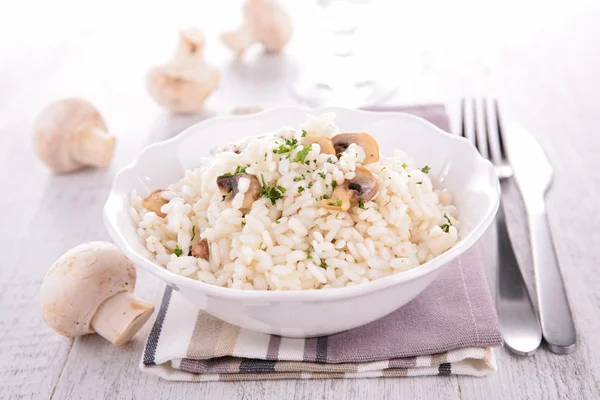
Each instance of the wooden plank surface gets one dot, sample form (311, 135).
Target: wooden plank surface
(540, 59)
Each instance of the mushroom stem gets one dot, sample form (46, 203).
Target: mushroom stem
(120, 317)
(93, 146)
(190, 52)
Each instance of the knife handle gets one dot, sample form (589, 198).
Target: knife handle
(518, 319)
(558, 327)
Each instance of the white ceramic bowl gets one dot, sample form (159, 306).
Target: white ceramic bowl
(453, 161)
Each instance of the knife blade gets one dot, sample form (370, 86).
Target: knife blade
(533, 174)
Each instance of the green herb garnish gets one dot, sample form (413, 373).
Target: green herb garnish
(308, 256)
(224, 197)
(361, 204)
(446, 227)
(288, 146)
(178, 252)
(321, 174)
(326, 197)
(425, 169)
(193, 232)
(243, 224)
(309, 185)
(301, 155)
(281, 189)
(420, 183)
(337, 203)
(383, 168)
(226, 175)
(300, 189)
(260, 245)
(333, 184)
(298, 178)
(271, 193)
(241, 170)
(404, 166)
(304, 133)
(330, 160)
(323, 265)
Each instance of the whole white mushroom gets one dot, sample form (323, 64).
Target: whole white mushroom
(70, 134)
(265, 22)
(90, 289)
(183, 84)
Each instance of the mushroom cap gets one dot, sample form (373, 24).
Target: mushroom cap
(324, 143)
(362, 187)
(79, 282)
(55, 128)
(154, 201)
(228, 185)
(182, 92)
(362, 139)
(269, 23)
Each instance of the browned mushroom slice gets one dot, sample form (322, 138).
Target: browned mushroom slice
(362, 187)
(228, 185)
(154, 201)
(324, 143)
(200, 249)
(364, 140)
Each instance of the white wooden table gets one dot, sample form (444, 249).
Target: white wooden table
(542, 60)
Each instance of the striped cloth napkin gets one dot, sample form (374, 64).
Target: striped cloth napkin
(450, 329)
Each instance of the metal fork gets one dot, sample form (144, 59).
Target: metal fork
(519, 322)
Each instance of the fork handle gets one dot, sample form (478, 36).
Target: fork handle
(558, 327)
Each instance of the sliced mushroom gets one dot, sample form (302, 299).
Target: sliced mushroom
(228, 185)
(200, 249)
(362, 139)
(154, 201)
(362, 187)
(324, 143)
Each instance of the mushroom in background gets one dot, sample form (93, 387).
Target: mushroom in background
(70, 134)
(184, 83)
(265, 22)
(89, 289)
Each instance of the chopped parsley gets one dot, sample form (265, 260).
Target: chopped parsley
(260, 245)
(288, 146)
(178, 252)
(304, 133)
(337, 203)
(309, 185)
(298, 178)
(300, 189)
(308, 256)
(271, 193)
(224, 197)
(281, 189)
(446, 227)
(243, 224)
(193, 232)
(226, 175)
(330, 160)
(333, 184)
(301, 155)
(425, 169)
(337, 215)
(241, 170)
(278, 222)
(383, 168)
(420, 183)
(323, 265)
(326, 197)
(361, 204)
(321, 174)
(404, 166)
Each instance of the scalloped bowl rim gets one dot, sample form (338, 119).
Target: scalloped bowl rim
(298, 295)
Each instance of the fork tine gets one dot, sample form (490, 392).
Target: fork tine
(494, 132)
(500, 130)
(479, 116)
(468, 121)
(463, 117)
